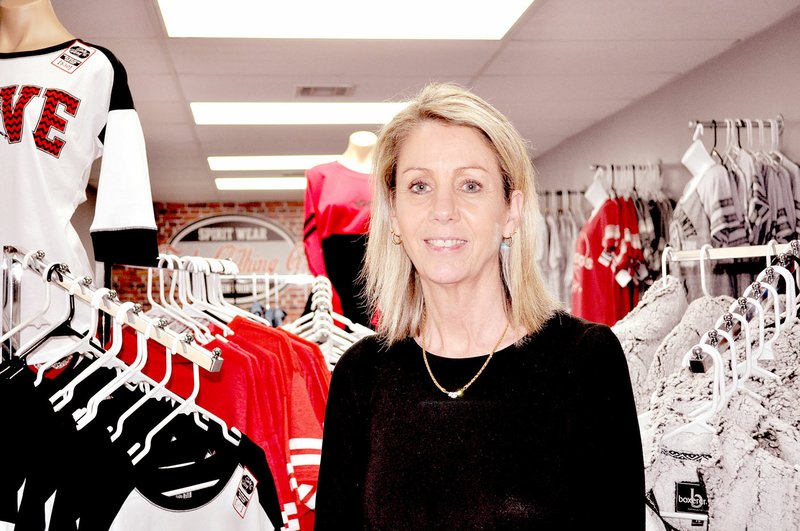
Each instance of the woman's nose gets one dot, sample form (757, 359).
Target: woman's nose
(444, 207)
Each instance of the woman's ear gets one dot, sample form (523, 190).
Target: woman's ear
(393, 217)
(514, 217)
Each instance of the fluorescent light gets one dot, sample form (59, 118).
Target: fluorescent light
(343, 19)
(263, 162)
(294, 113)
(261, 183)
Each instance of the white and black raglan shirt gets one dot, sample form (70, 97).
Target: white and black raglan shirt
(61, 108)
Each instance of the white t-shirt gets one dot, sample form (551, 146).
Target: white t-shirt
(61, 108)
(235, 508)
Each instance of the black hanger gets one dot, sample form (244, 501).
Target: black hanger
(714, 149)
(13, 366)
(613, 183)
(63, 329)
(739, 132)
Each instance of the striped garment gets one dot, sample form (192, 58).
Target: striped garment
(758, 213)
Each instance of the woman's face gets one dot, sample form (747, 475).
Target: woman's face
(449, 207)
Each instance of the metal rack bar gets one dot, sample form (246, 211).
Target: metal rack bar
(721, 253)
(738, 122)
(186, 347)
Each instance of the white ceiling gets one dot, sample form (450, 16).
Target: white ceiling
(564, 66)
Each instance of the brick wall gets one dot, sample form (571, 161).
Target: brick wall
(131, 283)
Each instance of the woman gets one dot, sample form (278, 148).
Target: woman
(478, 405)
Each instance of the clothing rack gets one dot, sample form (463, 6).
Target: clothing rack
(739, 122)
(299, 279)
(721, 253)
(636, 166)
(186, 347)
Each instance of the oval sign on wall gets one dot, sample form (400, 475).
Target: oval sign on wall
(254, 244)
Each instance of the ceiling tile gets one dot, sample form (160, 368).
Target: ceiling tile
(265, 87)
(533, 58)
(139, 56)
(168, 133)
(277, 140)
(97, 20)
(637, 20)
(568, 87)
(154, 113)
(334, 58)
(155, 88)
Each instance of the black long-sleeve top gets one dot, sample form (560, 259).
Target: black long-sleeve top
(546, 438)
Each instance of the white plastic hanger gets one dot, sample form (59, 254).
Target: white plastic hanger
(216, 267)
(187, 406)
(711, 338)
(151, 393)
(791, 289)
(767, 351)
(665, 256)
(699, 425)
(775, 144)
(184, 406)
(751, 367)
(85, 415)
(164, 309)
(726, 321)
(83, 345)
(176, 266)
(66, 394)
(46, 273)
(193, 277)
(704, 255)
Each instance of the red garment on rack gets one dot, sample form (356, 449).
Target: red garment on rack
(337, 207)
(608, 251)
(304, 442)
(273, 386)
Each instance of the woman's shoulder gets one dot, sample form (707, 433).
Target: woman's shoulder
(570, 342)
(368, 352)
(566, 329)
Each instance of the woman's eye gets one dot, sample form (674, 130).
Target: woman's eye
(419, 187)
(472, 186)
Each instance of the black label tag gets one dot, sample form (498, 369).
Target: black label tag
(690, 498)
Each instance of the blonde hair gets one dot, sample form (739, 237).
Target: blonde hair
(392, 286)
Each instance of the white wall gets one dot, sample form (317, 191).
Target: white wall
(757, 78)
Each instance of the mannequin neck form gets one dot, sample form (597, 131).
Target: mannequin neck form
(27, 25)
(358, 155)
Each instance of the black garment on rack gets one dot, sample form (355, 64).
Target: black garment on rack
(344, 257)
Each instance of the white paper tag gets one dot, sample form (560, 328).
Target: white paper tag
(623, 277)
(73, 57)
(596, 194)
(244, 492)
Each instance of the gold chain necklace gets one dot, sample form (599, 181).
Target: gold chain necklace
(458, 393)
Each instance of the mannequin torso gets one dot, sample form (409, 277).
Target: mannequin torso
(27, 25)
(358, 155)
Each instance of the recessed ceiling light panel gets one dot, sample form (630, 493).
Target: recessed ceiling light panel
(293, 113)
(261, 183)
(343, 19)
(268, 162)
